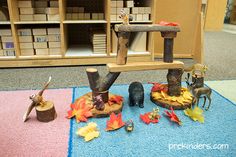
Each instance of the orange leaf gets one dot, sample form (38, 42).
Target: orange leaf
(115, 122)
(115, 100)
(80, 111)
(146, 118)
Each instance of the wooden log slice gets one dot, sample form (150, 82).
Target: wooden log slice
(47, 112)
(168, 104)
(116, 108)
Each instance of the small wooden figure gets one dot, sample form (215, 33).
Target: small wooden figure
(45, 110)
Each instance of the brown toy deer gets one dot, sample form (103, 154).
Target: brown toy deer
(198, 92)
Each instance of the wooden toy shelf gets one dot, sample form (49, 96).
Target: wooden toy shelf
(71, 17)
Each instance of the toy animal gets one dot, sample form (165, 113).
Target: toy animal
(197, 69)
(136, 94)
(125, 17)
(198, 92)
(129, 126)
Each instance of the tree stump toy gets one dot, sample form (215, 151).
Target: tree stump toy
(45, 110)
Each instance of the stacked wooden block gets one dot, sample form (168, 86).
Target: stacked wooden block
(99, 41)
(38, 10)
(138, 13)
(39, 41)
(6, 43)
(78, 13)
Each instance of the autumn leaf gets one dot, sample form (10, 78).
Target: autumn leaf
(158, 87)
(115, 100)
(195, 114)
(164, 23)
(173, 117)
(80, 111)
(115, 122)
(89, 132)
(146, 118)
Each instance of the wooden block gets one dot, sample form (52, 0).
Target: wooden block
(41, 4)
(119, 4)
(75, 16)
(52, 11)
(139, 17)
(101, 16)
(68, 16)
(1, 53)
(114, 41)
(39, 31)
(139, 44)
(146, 17)
(26, 11)
(25, 39)
(130, 4)
(134, 10)
(127, 10)
(75, 9)
(113, 11)
(87, 16)
(81, 9)
(10, 52)
(113, 4)
(113, 17)
(118, 10)
(8, 45)
(5, 32)
(40, 38)
(24, 32)
(6, 39)
(54, 51)
(81, 16)
(141, 66)
(26, 18)
(54, 44)
(40, 45)
(54, 4)
(69, 9)
(147, 10)
(42, 51)
(56, 37)
(25, 4)
(53, 17)
(40, 10)
(140, 10)
(27, 52)
(26, 45)
(94, 16)
(53, 31)
(40, 17)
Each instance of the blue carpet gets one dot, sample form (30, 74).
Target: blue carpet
(156, 139)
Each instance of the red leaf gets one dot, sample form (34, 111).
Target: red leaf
(173, 117)
(115, 122)
(145, 118)
(164, 23)
(115, 100)
(158, 87)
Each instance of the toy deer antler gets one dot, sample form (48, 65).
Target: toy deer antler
(37, 100)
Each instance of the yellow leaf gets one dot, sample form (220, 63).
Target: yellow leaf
(91, 135)
(195, 114)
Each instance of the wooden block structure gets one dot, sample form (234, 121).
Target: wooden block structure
(6, 43)
(99, 42)
(138, 13)
(39, 41)
(38, 10)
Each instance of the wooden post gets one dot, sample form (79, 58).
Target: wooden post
(168, 45)
(100, 86)
(47, 112)
(122, 49)
(174, 81)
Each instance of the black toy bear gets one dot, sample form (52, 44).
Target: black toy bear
(136, 94)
